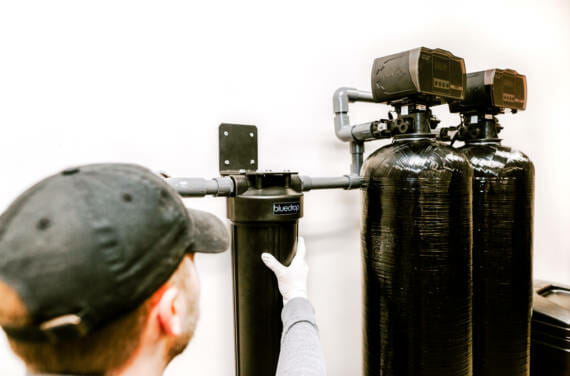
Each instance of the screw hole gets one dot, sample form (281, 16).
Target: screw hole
(251, 134)
(127, 197)
(43, 224)
(226, 133)
(227, 162)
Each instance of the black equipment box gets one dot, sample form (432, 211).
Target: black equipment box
(550, 333)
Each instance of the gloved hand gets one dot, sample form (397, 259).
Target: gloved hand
(292, 280)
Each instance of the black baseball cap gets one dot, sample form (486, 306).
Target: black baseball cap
(91, 243)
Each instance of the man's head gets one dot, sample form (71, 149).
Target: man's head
(96, 266)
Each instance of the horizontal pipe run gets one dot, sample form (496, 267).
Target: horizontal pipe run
(199, 187)
(224, 186)
(344, 182)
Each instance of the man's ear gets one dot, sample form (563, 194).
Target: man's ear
(168, 312)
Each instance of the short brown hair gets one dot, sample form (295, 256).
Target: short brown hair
(107, 348)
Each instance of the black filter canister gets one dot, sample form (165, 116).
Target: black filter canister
(550, 349)
(264, 216)
(503, 184)
(416, 242)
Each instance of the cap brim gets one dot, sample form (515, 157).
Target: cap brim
(208, 232)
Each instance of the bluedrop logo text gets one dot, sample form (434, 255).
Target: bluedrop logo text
(286, 208)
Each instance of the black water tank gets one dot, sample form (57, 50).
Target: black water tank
(503, 184)
(416, 242)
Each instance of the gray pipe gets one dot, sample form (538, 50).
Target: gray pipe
(355, 134)
(345, 182)
(198, 187)
(224, 186)
(357, 152)
(344, 131)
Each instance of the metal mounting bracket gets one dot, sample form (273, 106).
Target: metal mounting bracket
(237, 148)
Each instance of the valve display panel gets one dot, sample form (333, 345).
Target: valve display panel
(421, 75)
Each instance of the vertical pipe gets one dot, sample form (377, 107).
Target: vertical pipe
(357, 151)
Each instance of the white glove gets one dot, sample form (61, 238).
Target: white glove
(292, 280)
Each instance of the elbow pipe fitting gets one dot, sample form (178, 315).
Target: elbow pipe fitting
(355, 134)
(341, 99)
(344, 95)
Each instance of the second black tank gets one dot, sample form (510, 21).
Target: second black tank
(503, 185)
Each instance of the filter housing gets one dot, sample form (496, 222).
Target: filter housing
(264, 216)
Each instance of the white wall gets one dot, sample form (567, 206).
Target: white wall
(149, 82)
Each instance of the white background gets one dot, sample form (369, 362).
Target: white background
(148, 82)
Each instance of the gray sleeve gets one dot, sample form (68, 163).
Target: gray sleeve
(301, 353)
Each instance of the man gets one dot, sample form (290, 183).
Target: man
(97, 276)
